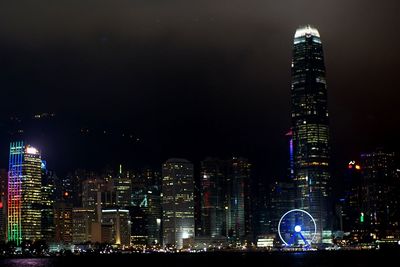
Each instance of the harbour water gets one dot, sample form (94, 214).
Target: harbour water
(228, 259)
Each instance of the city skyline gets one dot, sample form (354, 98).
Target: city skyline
(188, 129)
(199, 133)
(168, 78)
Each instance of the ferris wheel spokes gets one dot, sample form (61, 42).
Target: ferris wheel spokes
(297, 225)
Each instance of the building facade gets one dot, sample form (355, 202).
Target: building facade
(310, 127)
(380, 205)
(213, 197)
(239, 216)
(177, 202)
(226, 208)
(24, 193)
(63, 222)
(123, 189)
(154, 215)
(82, 220)
(48, 201)
(115, 227)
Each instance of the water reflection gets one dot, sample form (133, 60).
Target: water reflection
(35, 262)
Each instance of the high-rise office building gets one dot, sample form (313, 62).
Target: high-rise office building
(63, 222)
(213, 197)
(146, 211)
(72, 186)
(123, 189)
(281, 199)
(260, 199)
(24, 193)
(226, 209)
(177, 202)
(350, 203)
(380, 193)
(138, 218)
(154, 216)
(48, 200)
(310, 127)
(82, 219)
(90, 189)
(98, 194)
(239, 219)
(115, 228)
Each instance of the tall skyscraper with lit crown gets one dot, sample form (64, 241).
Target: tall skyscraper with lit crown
(24, 193)
(310, 126)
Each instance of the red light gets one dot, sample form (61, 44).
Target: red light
(1, 205)
(350, 166)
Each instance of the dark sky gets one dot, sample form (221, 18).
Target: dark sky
(193, 78)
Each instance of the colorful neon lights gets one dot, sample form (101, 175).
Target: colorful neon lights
(291, 157)
(15, 176)
(291, 154)
(24, 193)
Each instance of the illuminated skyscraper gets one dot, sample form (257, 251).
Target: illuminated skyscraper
(97, 194)
(123, 189)
(177, 201)
(154, 215)
(380, 193)
(225, 199)
(48, 200)
(310, 126)
(115, 227)
(82, 219)
(281, 199)
(63, 222)
(146, 212)
(213, 197)
(349, 206)
(239, 219)
(24, 193)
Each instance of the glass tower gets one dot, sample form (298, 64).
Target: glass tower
(213, 197)
(239, 215)
(177, 202)
(310, 126)
(24, 193)
(379, 193)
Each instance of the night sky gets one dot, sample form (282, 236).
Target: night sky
(191, 78)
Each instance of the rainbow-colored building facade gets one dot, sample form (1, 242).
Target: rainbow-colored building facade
(24, 193)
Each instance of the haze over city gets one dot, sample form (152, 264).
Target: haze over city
(193, 79)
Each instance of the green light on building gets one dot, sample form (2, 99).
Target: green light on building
(362, 217)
